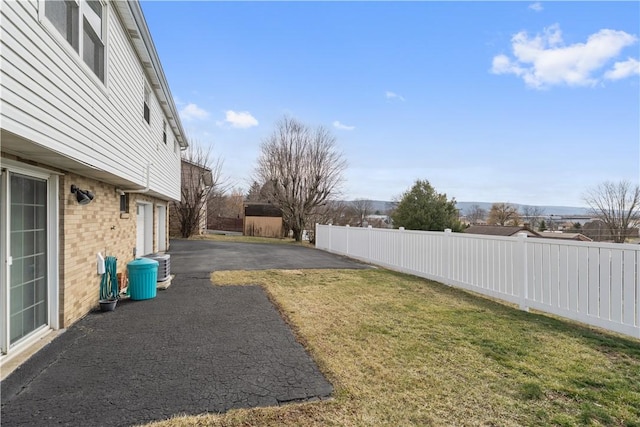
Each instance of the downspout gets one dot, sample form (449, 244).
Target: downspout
(145, 190)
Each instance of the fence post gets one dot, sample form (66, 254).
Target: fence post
(446, 256)
(400, 251)
(347, 234)
(369, 228)
(522, 277)
(329, 231)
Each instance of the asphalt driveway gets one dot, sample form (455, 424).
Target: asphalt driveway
(193, 349)
(207, 255)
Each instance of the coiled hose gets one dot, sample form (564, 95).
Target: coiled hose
(109, 282)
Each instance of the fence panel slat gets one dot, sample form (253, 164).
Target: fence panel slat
(605, 284)
(573, 266)
(546, 274)
(554, 275)
(616, 286)
(563, 277)
(629, 288)
(583, 280)
(537, 274)
(594, 277)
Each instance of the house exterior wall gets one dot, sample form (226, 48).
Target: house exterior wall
(52, 98)
(57, 115)
(86, 230)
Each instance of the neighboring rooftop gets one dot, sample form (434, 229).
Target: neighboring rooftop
(500, 230)
(566, 236)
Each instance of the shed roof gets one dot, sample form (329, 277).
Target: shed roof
(262, 209)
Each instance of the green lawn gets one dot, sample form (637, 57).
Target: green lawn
(401, 350)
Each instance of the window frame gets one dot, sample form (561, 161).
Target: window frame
(124, 203)
(67, 46)
(164, 131)
(97, 39)
(146, 109)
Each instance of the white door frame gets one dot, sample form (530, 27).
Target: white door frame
(161, 228)
(53, 283)
(147, 232)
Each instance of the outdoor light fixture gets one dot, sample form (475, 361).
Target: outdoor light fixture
(84, 197)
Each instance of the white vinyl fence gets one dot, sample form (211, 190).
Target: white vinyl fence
(594, 283)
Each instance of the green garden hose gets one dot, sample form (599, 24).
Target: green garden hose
(109, 282)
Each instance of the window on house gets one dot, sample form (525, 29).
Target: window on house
(124, 203)
(64, 17)
(164, 132)
(69, 17)
(147, 112)
(92, 46)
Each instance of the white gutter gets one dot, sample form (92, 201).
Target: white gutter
(145, 190)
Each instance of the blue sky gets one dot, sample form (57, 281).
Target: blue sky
(521, 102)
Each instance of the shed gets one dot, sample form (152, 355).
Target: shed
(263, 220)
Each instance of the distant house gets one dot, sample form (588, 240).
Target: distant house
(90, 157)
(379, 221)
(500, 230)
(263, 220)
(197, 181)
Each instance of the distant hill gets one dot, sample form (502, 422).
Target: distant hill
(548, 210)
(384, 206)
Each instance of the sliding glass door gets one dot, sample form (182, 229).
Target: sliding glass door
(28, 308)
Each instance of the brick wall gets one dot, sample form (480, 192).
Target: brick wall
(86, 230)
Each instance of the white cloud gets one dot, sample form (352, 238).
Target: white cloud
(537, 6)
(239, 119)
(341, 126)
(624, 69)
(543, 61)
(392, 95)
(192, 111)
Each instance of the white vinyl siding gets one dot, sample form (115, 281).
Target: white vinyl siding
(48, 99)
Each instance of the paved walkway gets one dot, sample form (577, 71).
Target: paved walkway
(195, 348)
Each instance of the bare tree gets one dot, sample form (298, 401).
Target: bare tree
(475, 214)
(200, 176)
(227, 204)
(617, 205)
(503, 214)
(360, 210)
(533, 215)
(303, 168)
(334, 212)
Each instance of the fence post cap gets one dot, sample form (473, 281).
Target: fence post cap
(401, 228)
(447, 230)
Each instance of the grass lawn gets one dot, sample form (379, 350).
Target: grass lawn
(401, 350)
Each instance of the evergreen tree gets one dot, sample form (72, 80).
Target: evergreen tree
(422, 208)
